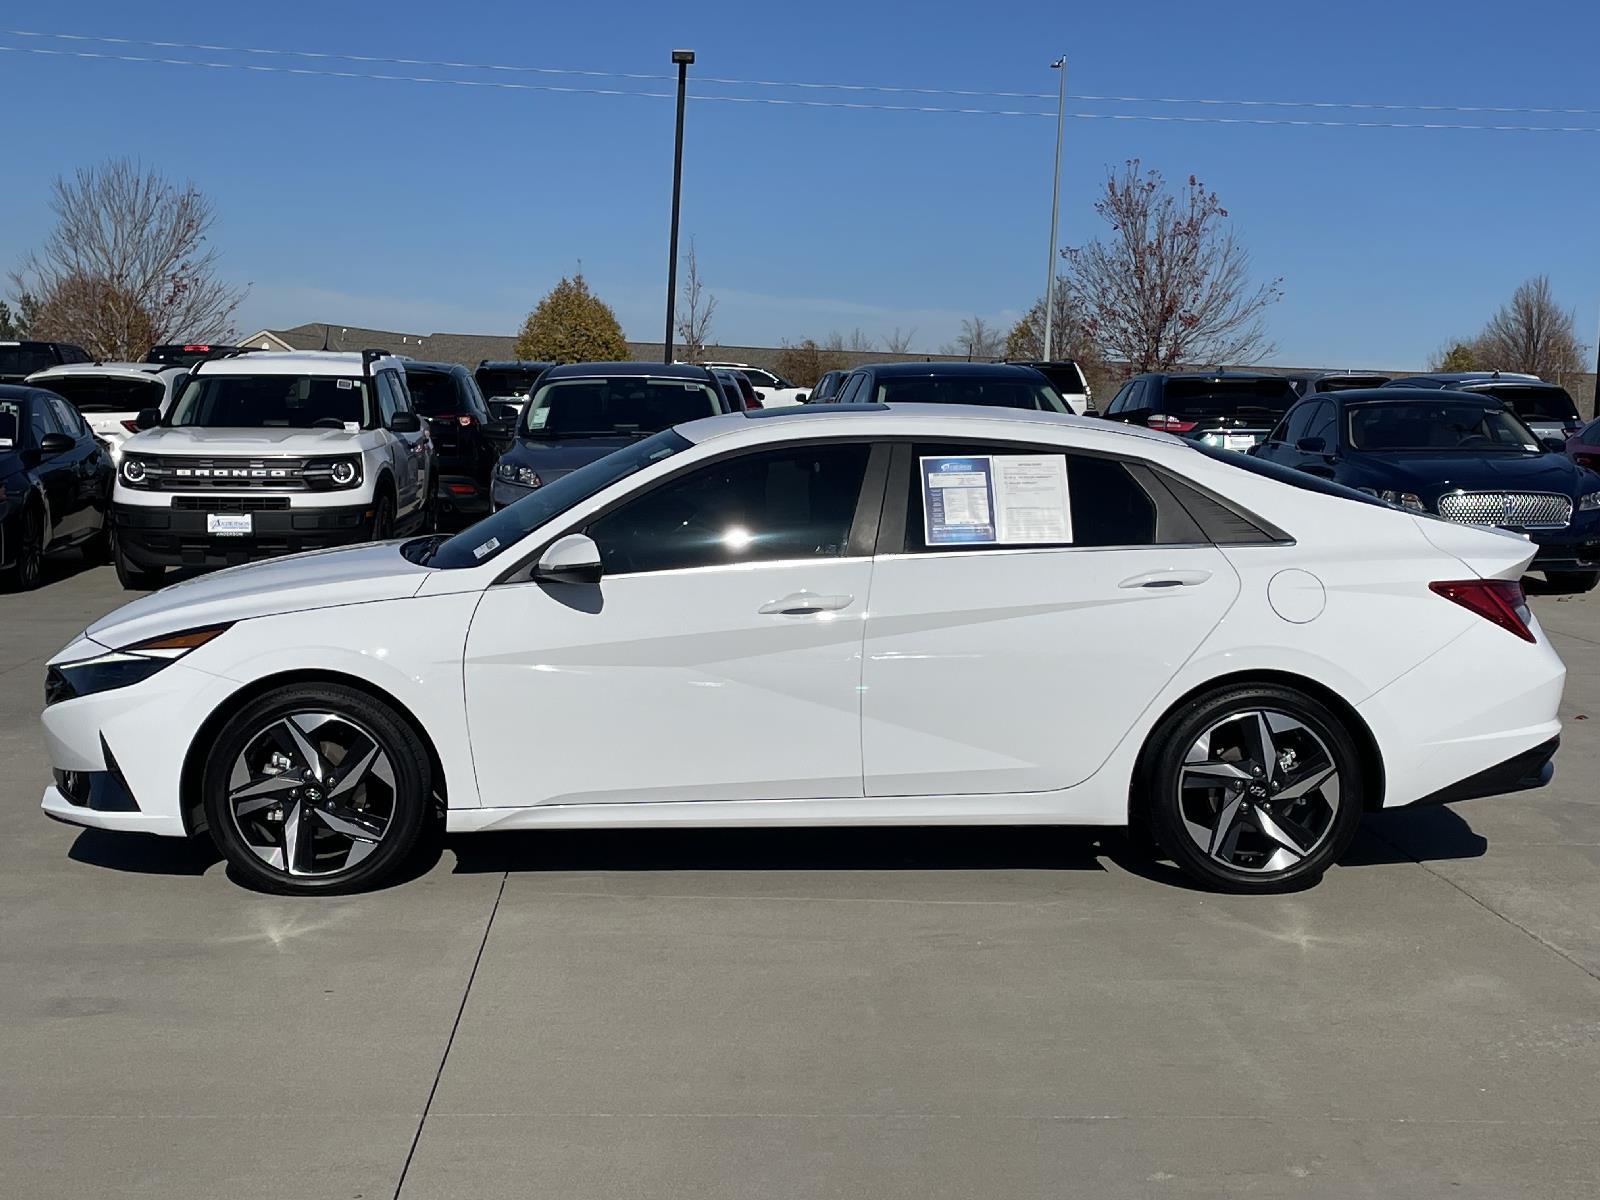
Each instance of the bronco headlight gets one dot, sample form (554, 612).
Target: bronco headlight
(122, 668)
(1589, 503)
(521, 476)
(133, 472)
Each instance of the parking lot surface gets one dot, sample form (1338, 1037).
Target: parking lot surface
(802, 1013)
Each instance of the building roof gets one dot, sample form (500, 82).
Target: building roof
(651, 370)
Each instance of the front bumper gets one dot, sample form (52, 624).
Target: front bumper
(1563, 552)
(170, 537)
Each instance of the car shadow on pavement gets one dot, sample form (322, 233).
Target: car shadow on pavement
(835, 848)
(144, 853)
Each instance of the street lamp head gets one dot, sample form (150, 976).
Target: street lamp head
(683, 57)
(1060, 62)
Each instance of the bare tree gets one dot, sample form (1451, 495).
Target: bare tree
(978, 339)
(1531, 333)
(695, 306)
(128, 264)
(1172, 285)
(898, 342)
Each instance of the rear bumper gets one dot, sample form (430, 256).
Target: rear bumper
(169, 537)
(1520, 773)
(462, 494)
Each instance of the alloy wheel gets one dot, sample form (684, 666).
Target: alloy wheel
(1258, 791)
(313, 793)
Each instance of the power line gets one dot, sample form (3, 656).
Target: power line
(789, 102)
(1526, 110)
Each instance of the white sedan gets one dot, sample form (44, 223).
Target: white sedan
(876, 616)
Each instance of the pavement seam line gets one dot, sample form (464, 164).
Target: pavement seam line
(1547, 944)
(450, 1042)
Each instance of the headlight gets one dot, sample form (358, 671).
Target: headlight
(122, 668)
(521, 476)
(345, 472)
(1403, 500)
(323, 473)
(1589, 503)
(132, 470)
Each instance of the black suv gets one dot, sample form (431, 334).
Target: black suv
(1310, 383)
(1234, 410)
(447, 398)
(505, 385)
(993, 385)
(1545, 408)
(18, 360)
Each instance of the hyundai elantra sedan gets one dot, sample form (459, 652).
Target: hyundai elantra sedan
(915, 615)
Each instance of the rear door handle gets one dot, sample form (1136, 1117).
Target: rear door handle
(799, 604)
(1166, 579)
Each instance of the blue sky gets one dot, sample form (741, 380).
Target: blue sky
(426, 207)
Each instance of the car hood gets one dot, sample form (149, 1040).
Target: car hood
(243, 443)
(318, 579)
(1432, 474)
(555, 457)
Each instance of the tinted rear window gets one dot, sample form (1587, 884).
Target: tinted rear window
(1065, 376)
(24, 360)
(995, 392)
(91, 394)
(1227, 397)
(623, 404)
(496, 381)
(1349, 383)
(433, 393)
(1536, 403)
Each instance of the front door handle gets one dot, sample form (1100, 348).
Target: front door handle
(799, 604)
(1166, 579)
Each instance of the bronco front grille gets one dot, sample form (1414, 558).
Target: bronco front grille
(1519, 510)
(170, 473)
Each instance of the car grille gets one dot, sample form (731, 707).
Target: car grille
(169, 473)
(230, 504)
(1519, 510)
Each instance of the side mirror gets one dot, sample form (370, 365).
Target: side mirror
(148, 418)
(1554, 445)
(405, 422)
(804, 398)
(573, 558)
(1311, 446)
(52, 444)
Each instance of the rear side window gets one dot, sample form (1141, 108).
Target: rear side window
(794, 503)
(24, 359)
(1108, 506)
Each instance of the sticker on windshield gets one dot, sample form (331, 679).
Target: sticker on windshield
(352, 426)
(1001, 499)
(344, 385)
(488, 547)
(538, 417)
(6, 444)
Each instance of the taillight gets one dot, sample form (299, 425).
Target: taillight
(1592, 461)
(1170, 424)
(1498, 600)
(466, 420)
(752, 402)
(131, 425)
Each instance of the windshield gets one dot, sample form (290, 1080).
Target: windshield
(273, 402)
(489, 537)
(1289, 475)
(101, 394)
(991, 392)
(506, 381)
(1441, 427)
(628, 404)
(24, 360)
(10, 425)
(1064, 375)
(1549, 403)
(433, 393)
(1227, 397)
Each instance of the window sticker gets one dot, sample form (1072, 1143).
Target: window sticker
(344, 385)
(1000, 499)
(352, 426)
(488, 547)
(538, 417)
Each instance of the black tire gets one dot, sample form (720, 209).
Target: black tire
(131, 575)
(1569, 583)
(27, 567)
(1219, 794)
(97, 550)
(428, 520)
(400, 802)
(382, 518)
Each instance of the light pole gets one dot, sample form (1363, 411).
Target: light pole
(683, 58)
(1060, 64)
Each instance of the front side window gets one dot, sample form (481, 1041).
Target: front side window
(42, 421)
(991, 392)
(272, 401)
(67, 418)
(11, 423)
(604, 407)
(107, 394)
(1104, 504)
(792, 503)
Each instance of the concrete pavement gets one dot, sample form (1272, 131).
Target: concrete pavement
(803, 1013)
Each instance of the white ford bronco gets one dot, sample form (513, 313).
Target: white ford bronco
(268, 454)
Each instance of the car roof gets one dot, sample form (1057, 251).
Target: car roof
(513, 364)
(940, 420)
(652, 370)
(1474, 377)
(955, 370)
(344, 363)
(18, 391)
(1216, 376)
(122, 370)
(441, 368)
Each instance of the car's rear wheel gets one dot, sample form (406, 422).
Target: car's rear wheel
(27, 567)
(1252, 789)
(316, 788)
(1572, 582)
(131, 575)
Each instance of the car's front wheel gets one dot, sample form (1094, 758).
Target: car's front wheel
(316, 788)
(131, 575)
(1252, 789)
